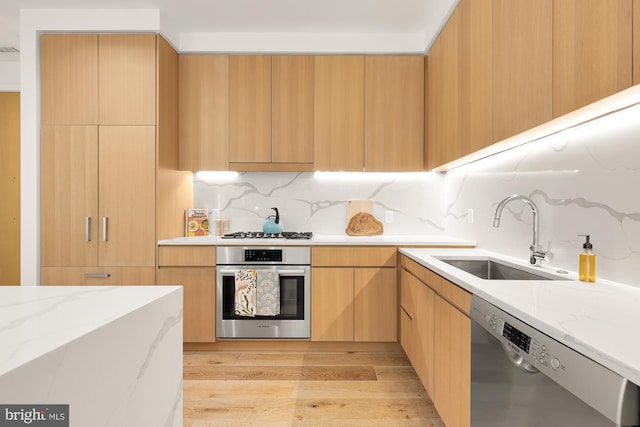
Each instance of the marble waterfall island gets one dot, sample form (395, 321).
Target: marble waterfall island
(112, 353)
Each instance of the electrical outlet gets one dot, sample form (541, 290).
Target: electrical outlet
(388, 217)
(470, 216)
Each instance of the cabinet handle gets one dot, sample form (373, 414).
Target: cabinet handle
(104, 228)
(97, 275)
(87, 225)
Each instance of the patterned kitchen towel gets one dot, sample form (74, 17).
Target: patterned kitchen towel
(245, 301)
(268, 292)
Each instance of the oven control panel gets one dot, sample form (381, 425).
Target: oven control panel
(263, 255)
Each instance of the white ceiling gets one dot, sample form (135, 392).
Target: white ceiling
(417, 18)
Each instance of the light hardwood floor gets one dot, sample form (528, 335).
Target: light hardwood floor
(305, 388)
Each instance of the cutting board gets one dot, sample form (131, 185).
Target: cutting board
(355, 206)
(360, 219)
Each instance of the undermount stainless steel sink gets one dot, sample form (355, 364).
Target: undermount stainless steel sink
(490, 269)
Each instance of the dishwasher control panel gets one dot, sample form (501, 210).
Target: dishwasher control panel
(535, 350)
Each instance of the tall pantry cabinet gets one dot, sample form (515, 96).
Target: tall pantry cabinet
(109, 179)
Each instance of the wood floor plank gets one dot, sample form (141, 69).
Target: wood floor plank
(214, 389)
(361, 390)
(356, 358)
(299, 373)
(383, 411)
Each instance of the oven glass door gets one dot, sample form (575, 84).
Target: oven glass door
(292, 297)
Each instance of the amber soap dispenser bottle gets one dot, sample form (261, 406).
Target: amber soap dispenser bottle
(587, 262)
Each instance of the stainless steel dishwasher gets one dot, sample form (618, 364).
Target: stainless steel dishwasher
(521, 377)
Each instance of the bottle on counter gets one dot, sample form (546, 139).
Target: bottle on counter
(587, 272)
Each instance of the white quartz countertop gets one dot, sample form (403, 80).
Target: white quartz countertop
(35, 320)
(327, 240)
(600, 320)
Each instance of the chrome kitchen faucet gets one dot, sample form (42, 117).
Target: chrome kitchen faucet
(536, 253)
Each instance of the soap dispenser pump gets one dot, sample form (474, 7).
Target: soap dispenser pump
(587, 262)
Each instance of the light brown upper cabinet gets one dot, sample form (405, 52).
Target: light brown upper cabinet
(338, 113)
(127, 74)
(636, 42)
(476, 104)
(522, 65)
(394, 113)
(443, 95)
(69, 79)
(271, 113)
(292, 109)
(204, 112)
(592, 51)
(250, 109)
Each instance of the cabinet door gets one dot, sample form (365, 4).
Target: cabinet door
(452, 396)
(406, 335)
(394, 113)
(522, 65)
(636, 42)
(10, 188)
(250, 109)
(338, 125)
(592, 51)
(204, 112)
(424, 334)
(69, 79)
(332, 304)
(476, 111)
(127, 195)
(199, 296)
(127, 74)
(443, 95)
(375, 304)
(292, 109)
(69, 195)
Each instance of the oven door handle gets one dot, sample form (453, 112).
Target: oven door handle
(280, 272)
(289, 272)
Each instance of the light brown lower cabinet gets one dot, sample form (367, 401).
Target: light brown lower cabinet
(418, 304)
(199, 300)
(435, 332)
(332, 304)
(354, 304)
(354, 294)
(193, 268)
(452, 370)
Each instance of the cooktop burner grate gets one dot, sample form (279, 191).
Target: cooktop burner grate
(260, 235)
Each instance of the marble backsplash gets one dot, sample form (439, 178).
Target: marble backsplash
(308, 202)
(583, 180)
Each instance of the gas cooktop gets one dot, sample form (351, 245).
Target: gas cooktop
(260, 235)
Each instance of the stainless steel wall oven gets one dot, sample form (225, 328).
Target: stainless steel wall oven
(291, 265)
